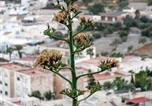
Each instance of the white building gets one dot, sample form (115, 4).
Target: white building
(7, 79)
(135, 64)
(19, 81)
(28, 101)
(27, 81)
(35, 4)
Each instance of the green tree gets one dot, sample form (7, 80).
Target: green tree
(137, 14)
(91, 80)
(86, 2)
(115, 54)
(108, 85)
(9, 50)
(129, 22)
(96, 35)
(144, 19)
(49, 95)
(123, 35)
(142, 80)
(142, 40)
(36, 94)
(18, 48)
(120, 83)
(149, 2)
(90, 52)
(122, 4)
(147, 32)
(96, 8)
(130, 48)
(77, 42)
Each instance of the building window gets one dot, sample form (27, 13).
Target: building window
(6, 93)
(18, 78)
(1, 92)
(103, 18)
(6, 84)
(0, 82)
(5, 75)
(109, 18)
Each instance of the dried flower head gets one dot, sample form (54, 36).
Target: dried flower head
(48, 58)
(83, 39)
(108, 63)
(83, 19)
(87, 22)
(61, 17)
(74, 8)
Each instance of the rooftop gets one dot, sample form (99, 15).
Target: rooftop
(139, 100)
(12, 66)
(93, 61)
(113, 14)
(107, 75)
(34, 71)
(25, 70)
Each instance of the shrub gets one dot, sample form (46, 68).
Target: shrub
(36, 94)
(49, 95)
(97, 35)
(142, 40)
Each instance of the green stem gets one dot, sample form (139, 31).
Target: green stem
(75, 102)
(91, 73)
(72, 61)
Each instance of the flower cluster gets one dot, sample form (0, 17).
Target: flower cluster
(109, 63)
(87, 22)
(61, 17)
(74, 9)
(82, 40)
(49, 58)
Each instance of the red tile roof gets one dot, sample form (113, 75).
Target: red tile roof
(107, 75)
(139, 100)
(12, 66)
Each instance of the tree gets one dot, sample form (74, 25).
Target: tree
(107, 85)
(86, 2)
(77, 41)
(147, 32)
(132, 77)
(90, 52)
(49, 95)
(142, 40)
(143, 80)
(120, 83)
(144, 19)
(18, 48)
(50, 6)
(115, 54)
(123, 35)
(137, 14)
(97, 35)
(149, 2)
(129, 22)
(91, 80)
(122, 4)
(96, 8)
(9, 50)
(130, 48)
(36, 94)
